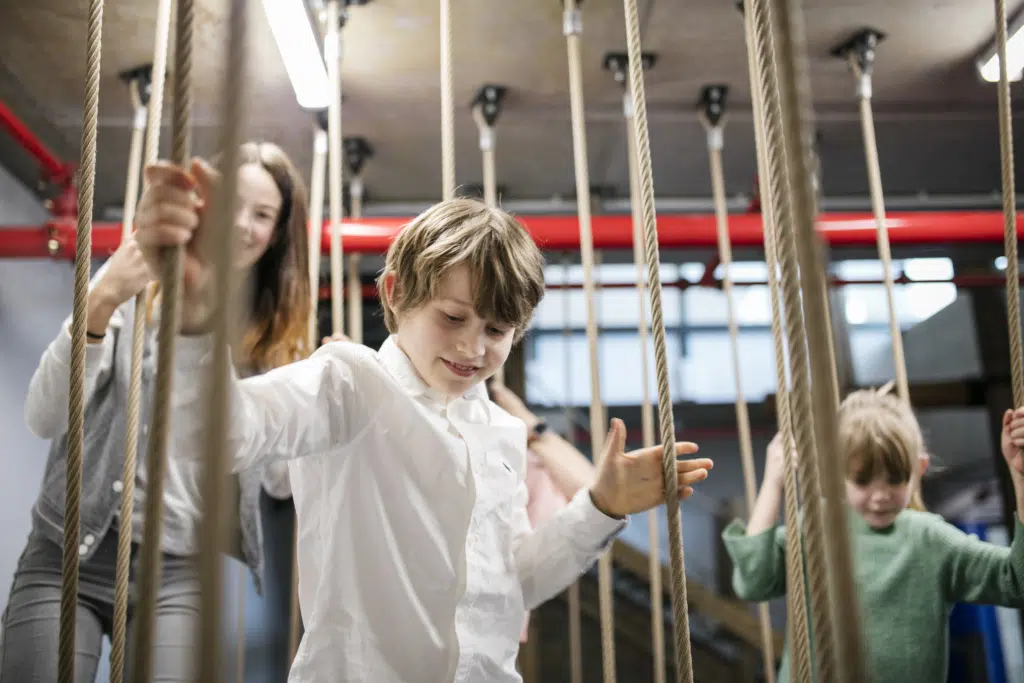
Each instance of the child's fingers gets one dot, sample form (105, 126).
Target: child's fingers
(685, 492)
(682, 448)
(695, 464)
(691, 477)
(166, 173)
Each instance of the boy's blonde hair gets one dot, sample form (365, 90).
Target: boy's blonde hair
(506, 267)
(880, 436)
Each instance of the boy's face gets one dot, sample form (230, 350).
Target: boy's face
(451, 347)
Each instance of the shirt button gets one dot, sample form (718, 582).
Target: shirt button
(83, 549)
(118, 486)
(145, 430)
(89, 539)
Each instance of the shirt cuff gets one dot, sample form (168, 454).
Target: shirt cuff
(93, 352)
(592, 528)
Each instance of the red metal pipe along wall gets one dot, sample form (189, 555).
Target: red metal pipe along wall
(57, 238)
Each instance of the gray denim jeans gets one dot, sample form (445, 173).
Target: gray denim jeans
(30, 629)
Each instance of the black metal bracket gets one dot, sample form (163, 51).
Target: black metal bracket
(861, 46)
(143, 77)
(490, 98)
(357, 151)
(712, 102)
(618, 64)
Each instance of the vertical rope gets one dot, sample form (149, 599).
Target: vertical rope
(715, 144)
(646, 409)
(355, 284)
(867, 123)
(240, 626)
(796, 586)
(76, 398)
(490, 181)
(447, 105)
(122, 572)
(1009, 212)
(315, 245)
(124, 536)
(316, 228)
(800, 401)
(572, 27)
(681, 619)
(849, 656)
(170, 281)
(575, 629)
(227, 323)
(332, 51)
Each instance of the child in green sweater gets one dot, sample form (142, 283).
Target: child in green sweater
(910, 566)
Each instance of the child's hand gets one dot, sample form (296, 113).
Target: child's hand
(1013, 440)
(775, 463)
(339, 336)
(125, 275)
(627, 483)
(170, 213)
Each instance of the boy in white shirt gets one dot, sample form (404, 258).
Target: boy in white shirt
(416, 557)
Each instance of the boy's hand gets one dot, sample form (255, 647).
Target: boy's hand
(1013, 441)
(170, 213)
(627, 483)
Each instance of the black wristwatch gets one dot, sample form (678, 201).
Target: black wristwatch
(538, 431)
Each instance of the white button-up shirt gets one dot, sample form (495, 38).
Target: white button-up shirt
(416, 557)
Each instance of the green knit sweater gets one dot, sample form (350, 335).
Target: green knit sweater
(908, 577)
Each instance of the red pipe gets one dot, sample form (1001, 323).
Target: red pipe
(53, 169)
(610, 232)
(965, 281)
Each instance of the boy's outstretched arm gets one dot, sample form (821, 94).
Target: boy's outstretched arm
(554, 555)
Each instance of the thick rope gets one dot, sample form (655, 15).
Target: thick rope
(315, 242)
(1009, 212)
(76, 397)
(796, 587)
(800, 401)
(572, 28)
(332, 50)
(170, 281)
(715, 142)
(849, 656)
(867, 122)
(680, 612)
(355, 284)
(240, 625)
(122, 572)
(575, 628)
(646, 408)
(226, 324)
(124, 536)
(447, 105)
(316, 227)
(490, 181)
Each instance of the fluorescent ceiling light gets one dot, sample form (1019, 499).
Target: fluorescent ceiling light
(988, 65)
(297, 44)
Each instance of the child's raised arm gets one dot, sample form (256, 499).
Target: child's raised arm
(758, 550)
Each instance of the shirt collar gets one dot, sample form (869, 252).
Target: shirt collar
(401, 368)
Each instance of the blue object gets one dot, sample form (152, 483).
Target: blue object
(969, 621)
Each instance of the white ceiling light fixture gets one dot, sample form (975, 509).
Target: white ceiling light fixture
(296, 41)
(988, 64)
